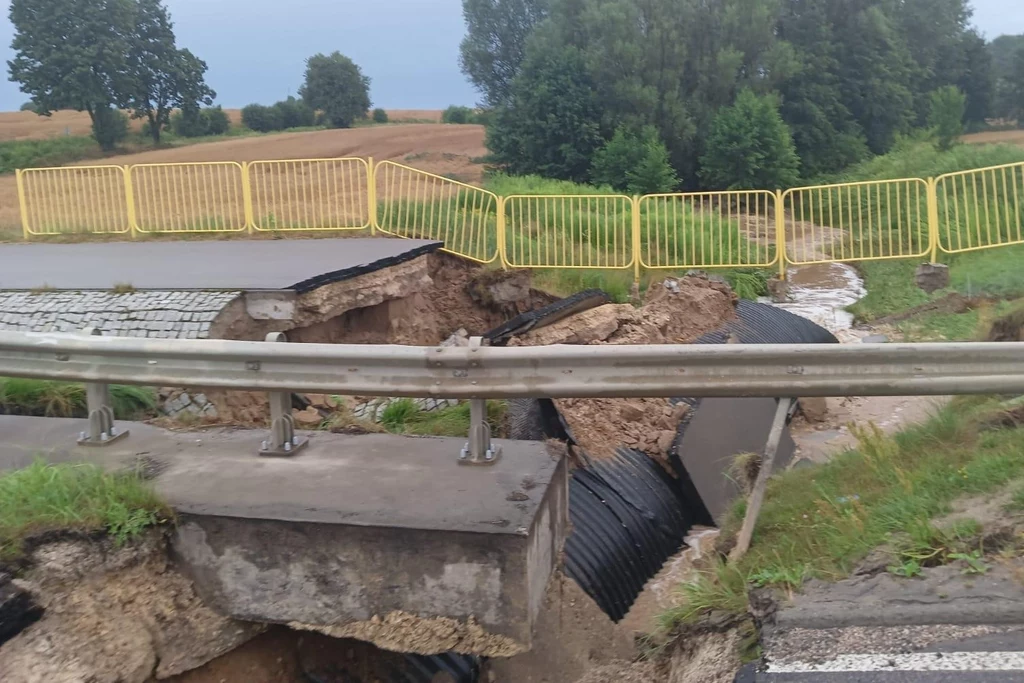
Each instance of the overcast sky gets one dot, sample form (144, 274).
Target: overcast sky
(255, 48)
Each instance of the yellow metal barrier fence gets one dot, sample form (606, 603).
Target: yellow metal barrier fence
(194, 197)
(708, 229)
(884, 219)
(980, 209)
(310, 194)
(416, 204)
(75, 199)
(569, 231)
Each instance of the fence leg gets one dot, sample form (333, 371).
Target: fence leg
(22, 204)
(780, 233)
(479, 450)
(101, 431)
(636, 242)
(757, 495)
(933, 220)
(371, 194)
(282, 442)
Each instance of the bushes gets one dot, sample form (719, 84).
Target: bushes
(635, 162)
(457, 114)
(109, 127)
(380, 116)
(750, 147)
(290, 113)
(29, 106)
(946, 116)
(194, 122)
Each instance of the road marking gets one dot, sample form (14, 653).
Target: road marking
(919, 661)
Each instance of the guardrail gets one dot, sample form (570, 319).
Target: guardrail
(885, 219)
(477, 373)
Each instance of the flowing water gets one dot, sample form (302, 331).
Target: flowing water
(821, 292)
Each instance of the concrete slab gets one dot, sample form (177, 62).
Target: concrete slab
(293, 264)
(355, 530)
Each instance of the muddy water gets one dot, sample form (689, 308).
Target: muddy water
(821, 292)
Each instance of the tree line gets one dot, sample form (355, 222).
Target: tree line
(643, 94)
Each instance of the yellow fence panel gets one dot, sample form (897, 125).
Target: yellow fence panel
(310, 194)
(568, 231)
(864, 221)
(75, 199)
(190, 197)
(980, 209)
(416, 204)
(708, 229)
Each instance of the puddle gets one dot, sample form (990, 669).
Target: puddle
(821, 292)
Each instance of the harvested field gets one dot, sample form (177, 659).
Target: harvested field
(24, 125)
(1008, 137)
(436, 148)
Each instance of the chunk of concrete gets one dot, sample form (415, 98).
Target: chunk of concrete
(931, 277)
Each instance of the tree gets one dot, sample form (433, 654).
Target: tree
(495, 43)
(335, 85)
(109, 127)
(635, 162)
(750, 147)
(73, 54)
(946, 117)
(550, 125)
(977, 81)
(1003, 51)
(162, 77)
(295, 113)
(380, 116)
(1015, 87)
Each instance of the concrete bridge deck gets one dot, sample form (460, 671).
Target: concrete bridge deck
(380, 537)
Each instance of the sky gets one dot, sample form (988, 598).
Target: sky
(256, 49)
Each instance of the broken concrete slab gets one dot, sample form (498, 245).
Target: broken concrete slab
(381, 537)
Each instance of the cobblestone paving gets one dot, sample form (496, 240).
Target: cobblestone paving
(151, 314)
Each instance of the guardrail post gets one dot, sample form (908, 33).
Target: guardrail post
(757, 495)
(780, 233)
(282, 442)
(101, 431)
(478, 450)
(933, 220)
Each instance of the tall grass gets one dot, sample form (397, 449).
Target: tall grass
(404, 417)
(48, 398)
(44, 497)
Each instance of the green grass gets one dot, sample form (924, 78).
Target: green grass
(47, 398)
(821, 521)
(403, 417)
(43, 498)
(916, 158)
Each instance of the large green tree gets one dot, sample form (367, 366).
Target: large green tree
(336, 86)
(550, 125)
(73, 54)
(162, 77)
(495, 43)
(1009, 82)
(749, 147)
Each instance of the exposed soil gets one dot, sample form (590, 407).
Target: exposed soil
(1010, 137)
(272, 657)
(673, 312)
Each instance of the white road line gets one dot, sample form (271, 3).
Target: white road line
(919, 661)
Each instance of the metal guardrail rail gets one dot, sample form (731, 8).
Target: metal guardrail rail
(478, 373)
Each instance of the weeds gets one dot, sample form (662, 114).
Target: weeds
(404, 417)
(123, 288)
(44, 497)
(48, 398)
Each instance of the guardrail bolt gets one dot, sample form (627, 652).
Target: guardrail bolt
(101, 431)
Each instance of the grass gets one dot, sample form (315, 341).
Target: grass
(43, 498)
(404, 417)
(48, 398)
(821, 521)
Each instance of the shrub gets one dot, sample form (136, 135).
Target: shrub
(217, 121)
(29, 106)
(635, 162)
(380, 116)
(109, 127)
(193, 122)
(457, 114)
(262, 119)
(294, 113)
(750, 147)
(946, 116)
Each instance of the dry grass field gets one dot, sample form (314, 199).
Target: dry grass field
(24, 125)
(1010, 137)
(287, 195)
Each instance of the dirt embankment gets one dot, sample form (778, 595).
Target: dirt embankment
(674, 311)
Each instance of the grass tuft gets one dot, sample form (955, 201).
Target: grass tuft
(43, 498)
(48, 398)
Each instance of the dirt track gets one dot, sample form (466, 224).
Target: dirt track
(1009, 137)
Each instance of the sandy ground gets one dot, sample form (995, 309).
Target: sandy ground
(24, 125)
